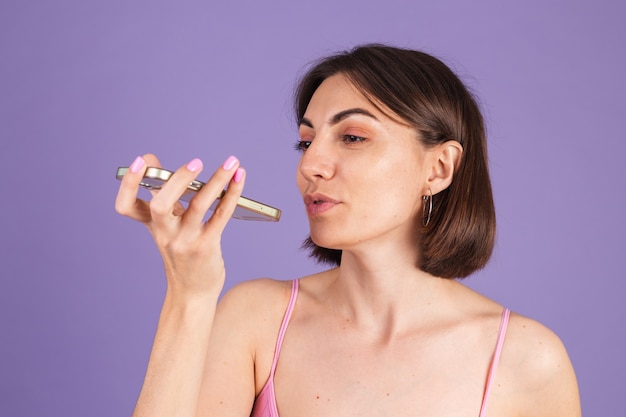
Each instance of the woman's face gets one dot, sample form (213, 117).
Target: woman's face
(362, 175)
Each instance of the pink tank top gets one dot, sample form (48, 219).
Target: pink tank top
(265, 403)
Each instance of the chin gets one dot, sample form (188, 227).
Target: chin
(326, 240)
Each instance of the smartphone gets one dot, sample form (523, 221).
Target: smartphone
(246, 209)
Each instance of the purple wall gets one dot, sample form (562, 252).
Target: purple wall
(86, 86)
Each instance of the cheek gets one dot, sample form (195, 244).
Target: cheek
(300, 182)
(393, 174)
(403, 183)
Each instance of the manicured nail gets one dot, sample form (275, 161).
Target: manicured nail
(194, 165)
(137, 165)
(239, 174)
(230, 163)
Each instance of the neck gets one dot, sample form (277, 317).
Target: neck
(382, 289)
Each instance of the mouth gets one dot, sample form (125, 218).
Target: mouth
(317, 199)
(318, 203)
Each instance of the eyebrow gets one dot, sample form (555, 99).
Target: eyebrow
(340, 116)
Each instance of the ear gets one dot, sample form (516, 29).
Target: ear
(444, 163)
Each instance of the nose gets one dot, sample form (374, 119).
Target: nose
(317, 162)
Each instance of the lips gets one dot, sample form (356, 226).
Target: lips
(318, 203)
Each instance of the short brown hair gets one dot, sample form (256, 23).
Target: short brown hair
(423, 92)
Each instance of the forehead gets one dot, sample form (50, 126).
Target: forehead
(338, 93)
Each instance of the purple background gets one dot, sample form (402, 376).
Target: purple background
(86, 86)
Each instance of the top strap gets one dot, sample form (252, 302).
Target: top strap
(283, 326)
(504, 322)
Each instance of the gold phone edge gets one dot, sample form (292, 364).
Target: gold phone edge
(163, 174)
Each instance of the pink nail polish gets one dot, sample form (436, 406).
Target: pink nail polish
(194, 165)
(137, 165)
(230, 163)
(239, 174)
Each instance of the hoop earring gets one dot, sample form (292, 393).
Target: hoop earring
(428, 202)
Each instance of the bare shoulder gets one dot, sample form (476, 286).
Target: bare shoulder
(534, 348)
(536, 370)
(244, 332)
(255, 292)
(252, 303)
(256, 309)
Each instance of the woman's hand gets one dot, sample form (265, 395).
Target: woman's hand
(189, 246)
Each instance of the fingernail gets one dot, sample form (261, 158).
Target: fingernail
(194, 165)
(230, 163)
(239, 174)
(137, 164)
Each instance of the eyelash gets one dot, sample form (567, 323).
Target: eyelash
(303, 145)
(352, 139)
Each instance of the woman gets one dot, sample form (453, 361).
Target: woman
(394, 178)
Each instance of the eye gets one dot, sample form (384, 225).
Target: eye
(350, 139)
(302, 145)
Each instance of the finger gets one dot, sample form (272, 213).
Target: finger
(212, 190)
(152, 162)
(165, 204)
(224, 210)
(126, 202)
(226, 207)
